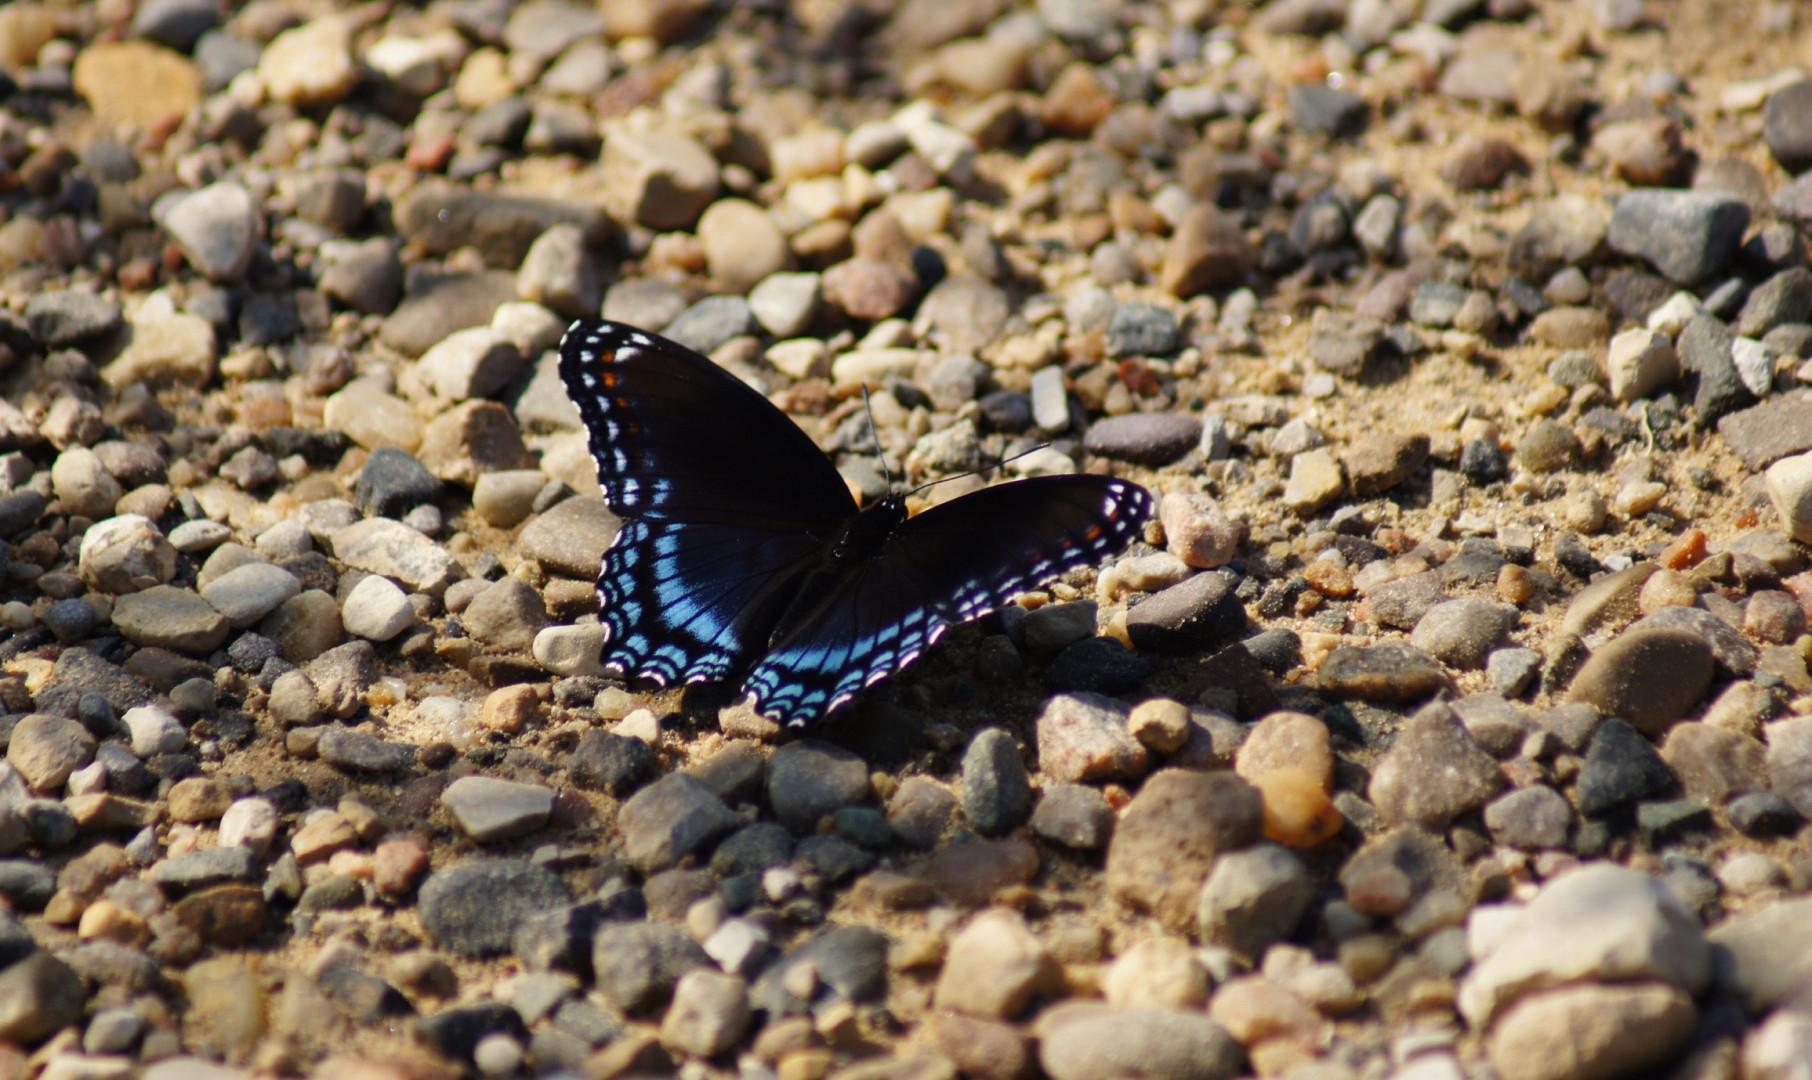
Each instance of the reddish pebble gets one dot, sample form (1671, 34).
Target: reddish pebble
(400, 865)
(1773, 615)
(1688, 550)
(970, 874)
(1380, 890)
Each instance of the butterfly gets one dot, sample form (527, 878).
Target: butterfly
(742, 554)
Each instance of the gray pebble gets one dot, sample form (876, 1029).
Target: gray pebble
(997, 793)
(473, 908)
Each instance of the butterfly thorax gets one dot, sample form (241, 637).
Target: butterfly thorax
(861, 539)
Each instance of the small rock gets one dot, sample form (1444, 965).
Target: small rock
(472, 909)
(995, 968)
(1687, 235)
(489, 810)
(1434, 772)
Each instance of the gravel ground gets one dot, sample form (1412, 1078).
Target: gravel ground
(1452, 720)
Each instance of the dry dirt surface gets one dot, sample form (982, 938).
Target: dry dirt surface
(1450, 719)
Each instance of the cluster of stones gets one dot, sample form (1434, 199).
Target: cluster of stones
(1438, 720)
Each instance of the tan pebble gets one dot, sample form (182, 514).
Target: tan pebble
(1366, 957)
(1160, 723)
(508, 709)
(916, 951)
(1515, 585)
(1298, 812)
(810, 1064)
(1634, 500)
(105, 920)
(1583, 511)
(321, 835)
(1665, 588)
(1158, 972)
(1287, 740)
(1255, 1010)
(1329, 578)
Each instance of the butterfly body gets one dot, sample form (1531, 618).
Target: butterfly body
(743, 556)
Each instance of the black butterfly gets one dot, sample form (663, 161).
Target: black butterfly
(742, 554)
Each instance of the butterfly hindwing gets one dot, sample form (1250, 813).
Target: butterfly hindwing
(685, 602)
(955, 562)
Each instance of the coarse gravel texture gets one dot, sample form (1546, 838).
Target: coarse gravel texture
(1452, 719)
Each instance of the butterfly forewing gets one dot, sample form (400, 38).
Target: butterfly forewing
(676, 435)
(955, 562)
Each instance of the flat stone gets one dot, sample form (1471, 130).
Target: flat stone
(1089, 1041)
(1199, 614)
(359, 751)
(670, 819)
(1620, 767)
(489, 810)
(440, 218)
(1085, 737)
(1144, 438)
(570, 537)
(995, 968)
(1391, 671)
(809, 780)
(248, 593)
(1592, 1030)
(136, 83)
(170, 618)
(390, 548)
(1779, 427)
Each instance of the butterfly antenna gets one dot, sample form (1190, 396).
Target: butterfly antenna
(1001, 464)
(874, 432)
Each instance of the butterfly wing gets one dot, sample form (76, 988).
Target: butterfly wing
(725, 502)
(955, 562)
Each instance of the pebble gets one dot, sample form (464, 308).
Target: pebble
(507, 615)
(996, 967)
(216, 227)
(1434, 772)
(170, 618)
(670, 819)
(65, 317)
(153, 731)
(248, 593)
(358, 751)
(1461, 633)
(473, 908)
(489, 810)
(393, 482)
(1157, 972)
(1688, 236)
(1098, 1042)
(1650, 677)
(809, 780)
(1378, 463)
(135, 83)
(1316, 479)
(786, 303)
(997, 793)
(570, 537)
(1253, 898)
(709, 1013)
(377, 609)
(1530, 818)
(1144, 438)
(390, 548)
(1389, 672)
(1196, 615)
(1620, 767)
(1784, 126)
(1170, 835)
(125, 554)
(1591, 1030)
(39, 995)
(1085, 736)
(1198, 531)
(46, 749)
(1074, 815)
(1207, 251)
(310, 65)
